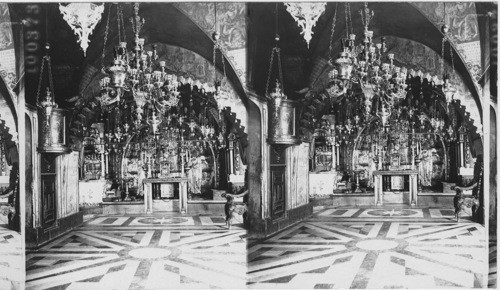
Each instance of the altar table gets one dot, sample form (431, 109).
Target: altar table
(148, 191)
(379, 189)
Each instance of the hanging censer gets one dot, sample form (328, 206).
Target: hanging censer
(52, 121)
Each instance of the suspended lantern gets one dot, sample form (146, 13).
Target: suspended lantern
(52, 124)
(344, 66)
(282, 114)
(118, 72)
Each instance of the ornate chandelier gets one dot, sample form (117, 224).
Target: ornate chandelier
(369, 66)
(82, 18)
(387, 100)
(306, 15)
(139, 71)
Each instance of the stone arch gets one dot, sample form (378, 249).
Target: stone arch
(8, 114)
(165, 23)
(402, 20)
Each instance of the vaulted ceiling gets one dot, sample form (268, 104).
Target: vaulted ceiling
(397, 19)
(167, 24)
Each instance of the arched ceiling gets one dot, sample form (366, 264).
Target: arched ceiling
(402, 20)
(166, 24)
(8, 113)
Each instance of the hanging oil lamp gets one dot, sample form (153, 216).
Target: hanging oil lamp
(52, 136)
(282, 113)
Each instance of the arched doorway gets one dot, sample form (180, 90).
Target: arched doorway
(9, 158)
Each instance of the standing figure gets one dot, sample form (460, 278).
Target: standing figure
(13, 193)
(141, 175)
(195, 175)
(474, 200)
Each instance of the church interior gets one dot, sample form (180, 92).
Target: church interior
(248, 145)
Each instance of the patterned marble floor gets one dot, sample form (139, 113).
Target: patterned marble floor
(12, 261)
(493, 254)
(390, 213)
(371, 248)
(336, 248)
(137, 252)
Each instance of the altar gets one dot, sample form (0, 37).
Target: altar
(148, 191)
(378, 184)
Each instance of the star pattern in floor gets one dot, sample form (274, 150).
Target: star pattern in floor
(335, 248)
(140, 253)
(350, 248)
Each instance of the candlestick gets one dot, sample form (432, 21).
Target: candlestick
(338, 154)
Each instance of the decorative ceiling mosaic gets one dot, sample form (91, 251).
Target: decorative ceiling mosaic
(231, 18)
(462, 20)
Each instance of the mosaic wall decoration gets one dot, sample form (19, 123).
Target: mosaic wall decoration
(414, 55)
(464, 30)
(231, 18)
(185, 62)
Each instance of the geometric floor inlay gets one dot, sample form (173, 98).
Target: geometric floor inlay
(370, 255)
(413, 214)
(335, 248)
(371, 248)
(109, 253)
(11, 262)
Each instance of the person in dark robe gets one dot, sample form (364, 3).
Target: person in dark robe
(12, 158)
(13, 197)
(477, 193)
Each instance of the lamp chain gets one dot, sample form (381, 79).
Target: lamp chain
(105, 38)
(280, 71)
(346, 5)
(270, 69)
(215, 17)
(118, 22)
(218, 46)
(276, 50)
(451, 55)
(350, 16)
(46, 58)
(276, 19)
(51, 82)
(331, 35)
(40, 81)
(442, 55)
(123, 24)
(214, 60)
